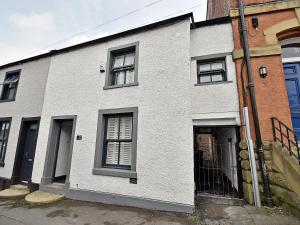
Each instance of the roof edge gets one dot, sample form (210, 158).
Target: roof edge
(216, 21)
(102, 39)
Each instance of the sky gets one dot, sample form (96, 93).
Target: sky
(33, 27)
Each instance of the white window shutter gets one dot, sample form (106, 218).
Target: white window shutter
(112, 128)
(125, 127)
(112, 153)
(125, 153)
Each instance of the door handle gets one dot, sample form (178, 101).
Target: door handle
(30, 160)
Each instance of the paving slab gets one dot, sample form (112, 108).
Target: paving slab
(42, 197)
(15, 191)
(213, 213)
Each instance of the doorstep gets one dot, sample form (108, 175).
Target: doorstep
(42, 197)
(14, 191)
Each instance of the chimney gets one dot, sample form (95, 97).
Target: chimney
(217, 8)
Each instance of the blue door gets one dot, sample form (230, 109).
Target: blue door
(292, 81)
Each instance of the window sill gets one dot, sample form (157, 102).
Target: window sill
(214, 83)
(115, 172)
(2, 164)
(7, 100)
(120, 86)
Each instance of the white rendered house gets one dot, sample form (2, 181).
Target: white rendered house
(121, 117)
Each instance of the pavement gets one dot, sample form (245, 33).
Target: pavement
(66, 212)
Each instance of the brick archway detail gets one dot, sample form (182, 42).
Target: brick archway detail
(283, 30)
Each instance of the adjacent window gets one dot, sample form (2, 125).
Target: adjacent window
(211, 71)
(116, 143)
(10, 86)
(4, 131)
(290, 51)
(122, 69)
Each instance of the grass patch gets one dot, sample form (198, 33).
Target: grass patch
(20, 203)
(194, 218)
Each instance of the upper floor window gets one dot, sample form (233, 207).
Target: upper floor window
(211, 71)
(4, 130)
(122, 69)
(10, 85)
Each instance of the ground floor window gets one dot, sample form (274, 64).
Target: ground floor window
(116, 146)
(4, 131)
(118, 141)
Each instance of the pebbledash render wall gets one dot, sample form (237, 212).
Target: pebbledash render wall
(28, 103)
(214, 103)
(163, 98)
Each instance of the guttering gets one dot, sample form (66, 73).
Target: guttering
(212, 22)
(260, 151)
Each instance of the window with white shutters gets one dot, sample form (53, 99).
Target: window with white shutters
(4, 130)
(118, 141)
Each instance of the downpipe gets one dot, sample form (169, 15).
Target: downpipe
(260, 151)
(255, 184)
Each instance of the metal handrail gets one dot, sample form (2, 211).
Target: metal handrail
(287, 137)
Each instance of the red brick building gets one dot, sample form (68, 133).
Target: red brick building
(273, 32)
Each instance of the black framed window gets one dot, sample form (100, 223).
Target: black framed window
(118, 141)
(4, 131)
(10, 86)
(122, 67)
(211, 71)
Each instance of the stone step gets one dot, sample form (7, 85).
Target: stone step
(15, 191)
(42, 197)
(19, 187)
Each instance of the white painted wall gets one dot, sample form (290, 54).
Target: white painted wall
(63, 149)
(228, 153)
(214, 104)
(163, 98)
(28, 103)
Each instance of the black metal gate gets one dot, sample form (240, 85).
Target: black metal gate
(215, 169)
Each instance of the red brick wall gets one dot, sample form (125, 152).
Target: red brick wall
(220, 8)
(217, 8)
(271, 94)
(234, 3)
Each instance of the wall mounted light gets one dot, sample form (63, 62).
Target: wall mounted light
(263, 72)
(102, 70)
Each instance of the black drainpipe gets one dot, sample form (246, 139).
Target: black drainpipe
(260, 151)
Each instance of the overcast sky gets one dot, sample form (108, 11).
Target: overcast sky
(33, 26)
